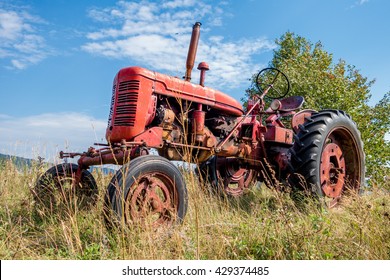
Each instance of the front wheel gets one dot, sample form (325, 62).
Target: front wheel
(328, 154)
(149, 190)
(57, 186)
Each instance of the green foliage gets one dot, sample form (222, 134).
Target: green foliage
(328, 85)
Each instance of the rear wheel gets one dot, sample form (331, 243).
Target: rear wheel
(226, 177)
(149, 191)
(58, 186)
(328, 155)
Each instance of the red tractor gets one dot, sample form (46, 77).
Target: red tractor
(232, 147)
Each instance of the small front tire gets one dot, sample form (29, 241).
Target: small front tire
(57, 186)
(149, 190)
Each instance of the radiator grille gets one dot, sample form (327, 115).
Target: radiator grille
(128, 85)
(112, 105)
(126, 106)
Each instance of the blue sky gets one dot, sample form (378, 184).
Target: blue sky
(58, 58)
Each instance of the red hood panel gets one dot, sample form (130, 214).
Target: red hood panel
(178, 88)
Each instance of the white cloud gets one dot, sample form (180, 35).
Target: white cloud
(157, 37)
(11, 25)
(178, 3)
(359, 3)
(20, 44)
(46, 134)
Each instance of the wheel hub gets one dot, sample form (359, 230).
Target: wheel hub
(332, 170)
(151, 200)
(235, 179)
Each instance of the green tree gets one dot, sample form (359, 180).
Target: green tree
(328, 85)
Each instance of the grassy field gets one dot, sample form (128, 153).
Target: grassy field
(263, 225)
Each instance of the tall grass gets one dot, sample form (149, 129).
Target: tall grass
(265, 224)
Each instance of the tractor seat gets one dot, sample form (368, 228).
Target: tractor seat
(284, 105)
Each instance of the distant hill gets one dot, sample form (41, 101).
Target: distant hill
(21, 163)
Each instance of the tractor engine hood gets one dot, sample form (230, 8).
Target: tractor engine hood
(133, 100)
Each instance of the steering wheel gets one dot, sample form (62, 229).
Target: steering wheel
(274, 82)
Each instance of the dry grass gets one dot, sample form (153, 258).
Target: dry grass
(263, 225)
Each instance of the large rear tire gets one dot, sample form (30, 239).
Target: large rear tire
(148, 191)
(328, 154)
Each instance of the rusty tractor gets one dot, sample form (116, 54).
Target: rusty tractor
(232, 147)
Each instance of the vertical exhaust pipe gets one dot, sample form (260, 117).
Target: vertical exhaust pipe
(192, 50)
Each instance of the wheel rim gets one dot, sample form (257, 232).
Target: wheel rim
(152, 201)
(340, 166)
(65, 186)
(82, 194)
(234, 180)
(332, 170)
